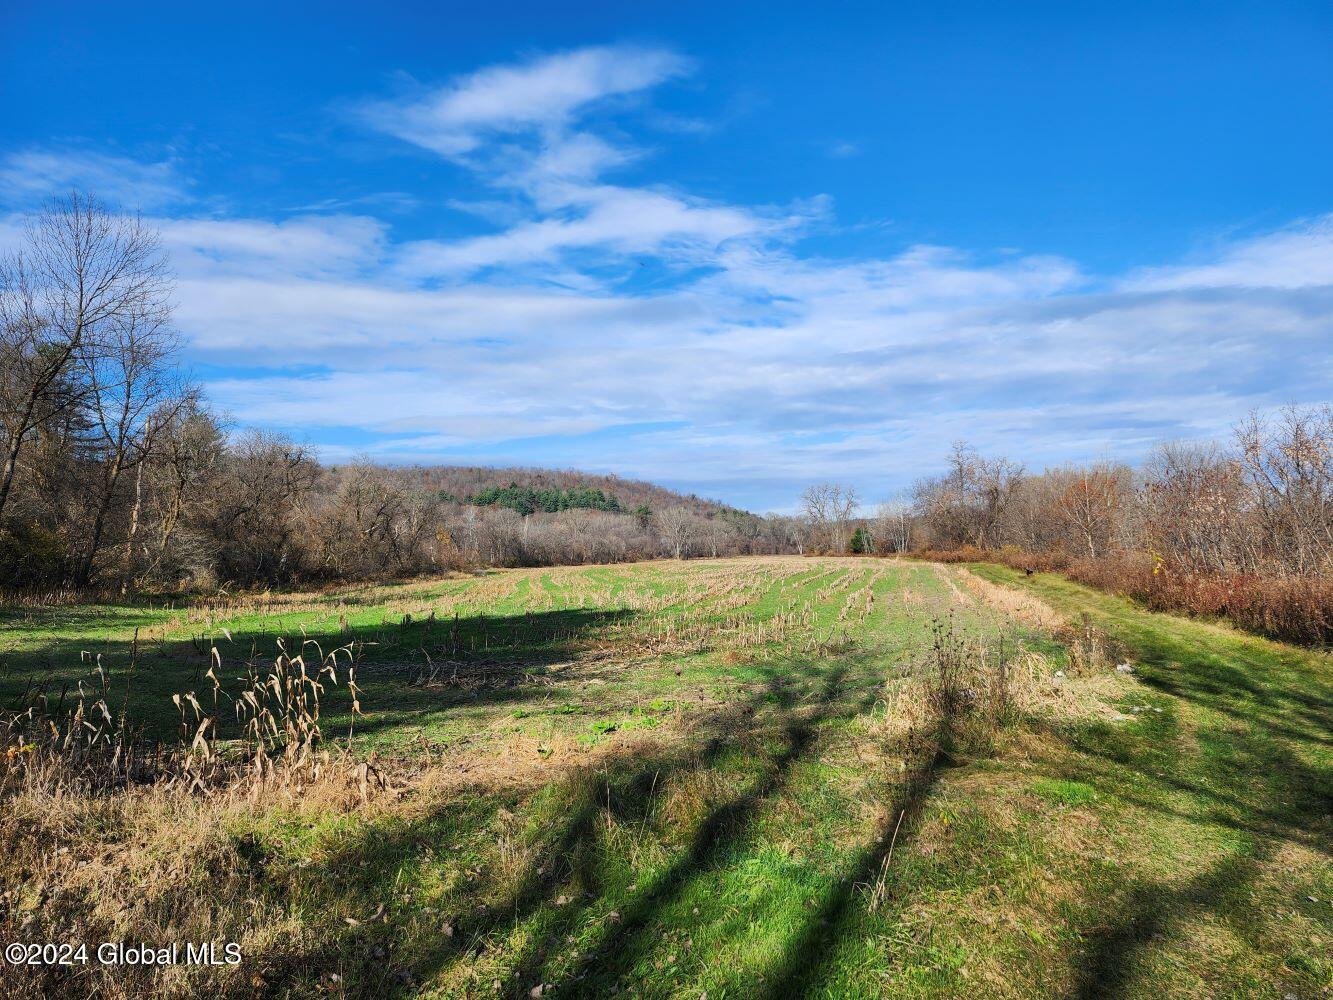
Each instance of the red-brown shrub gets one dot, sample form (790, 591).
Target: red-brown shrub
(1296, 609)
(1293, 609)
(1036, 562)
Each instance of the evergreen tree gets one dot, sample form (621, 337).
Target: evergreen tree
(859, 541)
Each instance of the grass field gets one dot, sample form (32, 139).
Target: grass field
(731, 778)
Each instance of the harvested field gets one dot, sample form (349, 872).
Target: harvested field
(760, 777)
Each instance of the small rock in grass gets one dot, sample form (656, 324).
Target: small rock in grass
(1125, 668)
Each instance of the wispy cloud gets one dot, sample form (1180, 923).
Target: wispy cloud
(327, 246)
(542, 94)
(30, 175)
(616, 220)
(600, 302)
(521, 128)
(1298, 256)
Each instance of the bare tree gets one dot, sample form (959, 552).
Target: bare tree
(1290, 469)
(968, 504)
(745, 529)
(180, 477)
(891, 530)
(829, 509)
(679, 528)
(720, 533)
(132, 394)
(786, 533)
(1089, 504)
(1192, 509)
(80, 274)
(257, 510)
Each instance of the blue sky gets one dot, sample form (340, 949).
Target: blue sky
(734, 248)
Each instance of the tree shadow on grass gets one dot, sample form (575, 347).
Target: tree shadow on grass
(773, 729)
(1149, 912)
(624, 941)
(806, 953)
(1280, 799)
(494, 659)
(1254, 786)
(633, 937)
(1256, 715)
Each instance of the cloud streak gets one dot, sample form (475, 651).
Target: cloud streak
(31, 175)
(626, 325)
(542, 95)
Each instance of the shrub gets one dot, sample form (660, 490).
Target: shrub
(1292, 609)
(30, 555)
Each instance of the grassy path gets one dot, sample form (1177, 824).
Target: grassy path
(1218, 803)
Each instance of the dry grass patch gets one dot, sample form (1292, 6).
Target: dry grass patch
(1019, 605)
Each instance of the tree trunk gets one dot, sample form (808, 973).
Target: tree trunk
(134, 527)
(85, 572)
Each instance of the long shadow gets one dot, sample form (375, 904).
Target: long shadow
(1149, 912)
(712, 843)
(805, 954)
(1283, 798)
(426, 665)
(565, 855)
(1250, 708)
(377, 858)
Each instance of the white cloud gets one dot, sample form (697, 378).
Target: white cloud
(864, 369)
(593, 310)
(541, 94)
(32, 175)
(303, 246)
(623, 221)
(1300, 256)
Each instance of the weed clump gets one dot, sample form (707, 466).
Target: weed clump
(968, 690)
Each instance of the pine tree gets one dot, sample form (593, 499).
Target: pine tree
(858, 541)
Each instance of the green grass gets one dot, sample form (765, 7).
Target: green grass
(655, 805)
(520, 641)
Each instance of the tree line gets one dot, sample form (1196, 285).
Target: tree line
(1242, 528)
(118, 475)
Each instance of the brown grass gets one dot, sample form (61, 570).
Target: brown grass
(1019, 605)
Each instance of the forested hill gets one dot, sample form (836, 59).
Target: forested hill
(548, 489)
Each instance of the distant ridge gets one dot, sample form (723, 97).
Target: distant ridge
(465, 481)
